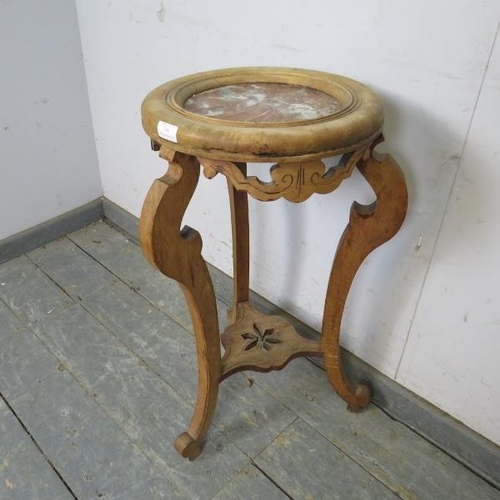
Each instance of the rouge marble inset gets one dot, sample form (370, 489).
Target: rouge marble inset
(263, 102)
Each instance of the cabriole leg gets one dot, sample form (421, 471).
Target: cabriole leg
(177, 254)
(369, 227)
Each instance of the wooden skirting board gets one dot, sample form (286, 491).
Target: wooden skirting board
(466, 446)
(50, 230)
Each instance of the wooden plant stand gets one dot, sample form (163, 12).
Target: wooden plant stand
(220, 120)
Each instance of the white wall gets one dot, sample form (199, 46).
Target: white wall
(452, 354)
(426, 59)
(48, 162)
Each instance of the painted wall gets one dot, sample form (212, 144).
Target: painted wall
(452, 353)
(427, 60)
(48, 160)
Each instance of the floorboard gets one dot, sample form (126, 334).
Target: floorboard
(147, 410)
(251, 484)
(24, 471)
(98, 376)
(406, 463)
(308, 466)
(92, 454)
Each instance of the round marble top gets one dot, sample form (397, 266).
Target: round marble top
(265, 102)
(262, 114)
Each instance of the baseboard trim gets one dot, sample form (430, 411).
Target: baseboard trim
(122, 219)
(457, 440)
(50, 230)
(450, 435)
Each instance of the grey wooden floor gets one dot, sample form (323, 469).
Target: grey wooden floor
(98, 376)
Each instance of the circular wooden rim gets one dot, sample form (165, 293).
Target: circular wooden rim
(358, 119)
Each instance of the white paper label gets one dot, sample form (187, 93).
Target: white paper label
(167, 131)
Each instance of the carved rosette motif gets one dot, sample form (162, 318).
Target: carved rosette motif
(260, 342)
(260, 339)
(295, 181)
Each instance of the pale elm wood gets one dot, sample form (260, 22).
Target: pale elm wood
(306, 465)
(92, 454)
(369, 227)
(177, 254)
(238, 201)
(186, 130)
(294, 181)
(251, 484)
(28, 292)
(145, 407)
(260, 342)
(401, 459)
(351, 126)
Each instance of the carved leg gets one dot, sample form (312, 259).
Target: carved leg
(241, 253)
(369, 227)
(177, 254)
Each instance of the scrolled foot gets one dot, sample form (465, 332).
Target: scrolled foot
(369, 227)
(187, 446)
(360, 399)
